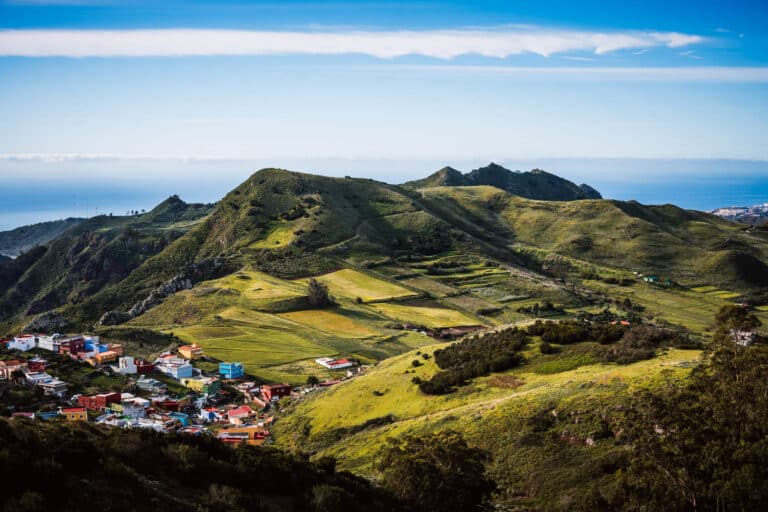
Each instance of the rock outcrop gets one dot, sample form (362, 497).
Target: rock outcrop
(49, 322)
(193, 273)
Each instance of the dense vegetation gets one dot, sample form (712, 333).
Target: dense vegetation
(474, 357)
(24, 238)
(54, 466)
(435, 473)
(701, 445)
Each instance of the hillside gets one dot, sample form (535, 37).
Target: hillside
(21, 239)
(87, 257)
(474, 253)
(535, 184)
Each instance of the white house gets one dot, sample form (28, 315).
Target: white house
(335, 364)
(23, 343)
(47, 343)
(126, 365)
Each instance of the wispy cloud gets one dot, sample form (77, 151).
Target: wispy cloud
(704, 74)
(442, 44)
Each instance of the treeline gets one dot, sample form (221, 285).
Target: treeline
(568, 332)
(81, 467)
(474, 357)
(626, 344)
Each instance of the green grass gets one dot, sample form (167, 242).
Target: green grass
(352, 284)
(428, 316)
(532, 470)
(330, 322)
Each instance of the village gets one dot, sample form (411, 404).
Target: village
(181, 391)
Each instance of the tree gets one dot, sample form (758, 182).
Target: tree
(737, 318)
(312, 381)
(701, 444)
(318, 294)
(437, 472)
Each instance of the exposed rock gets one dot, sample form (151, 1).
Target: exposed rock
(49, 322)
(193, 273)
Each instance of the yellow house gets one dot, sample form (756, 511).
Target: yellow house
(75, 414)
(193, 351)
(205, 385)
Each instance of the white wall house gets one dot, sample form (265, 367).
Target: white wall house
(23, 343)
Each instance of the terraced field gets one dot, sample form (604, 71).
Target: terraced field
(352, 284)
(424, 313)
(330, 322)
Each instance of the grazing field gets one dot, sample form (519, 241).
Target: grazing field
(258, 286)
(352, 284)
(471, 303)
(480, 410)
(256, 347)
(330, 322)
(426, 315)
(432, 286)
(279, 236)
(688, 308)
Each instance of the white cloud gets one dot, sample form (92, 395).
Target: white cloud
(442, 44)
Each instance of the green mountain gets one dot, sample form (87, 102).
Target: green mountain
(535, 184)
(88, 256)
(294, 225)
(21, 239)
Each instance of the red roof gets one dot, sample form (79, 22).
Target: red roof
(73, 409)
(243, 410)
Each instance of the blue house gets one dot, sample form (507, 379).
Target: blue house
(231, 370)
(183, 418)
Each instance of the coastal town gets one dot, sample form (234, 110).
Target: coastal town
(180, 390)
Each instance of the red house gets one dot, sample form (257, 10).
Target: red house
(72, 346)
(143, 367)
(99, 402)
(36, 365)
(168, 404)
(269, 391)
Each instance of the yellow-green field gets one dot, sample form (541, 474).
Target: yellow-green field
(433, 317)
(387, 389)
(330, 322)
(232, 319)
(352, 284)
(436, 288)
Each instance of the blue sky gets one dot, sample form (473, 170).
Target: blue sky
(95, 87)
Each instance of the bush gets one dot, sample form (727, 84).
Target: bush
(546, 348)
(475, 357)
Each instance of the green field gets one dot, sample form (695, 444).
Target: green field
(352, 284)
(475, 410)
(426, 315)
(331, 323)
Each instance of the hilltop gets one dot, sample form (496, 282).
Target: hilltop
(24, 238)
(535, 184)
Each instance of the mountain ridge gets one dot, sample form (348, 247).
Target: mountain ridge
(534, 184)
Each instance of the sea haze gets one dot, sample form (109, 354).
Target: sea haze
(32, 194)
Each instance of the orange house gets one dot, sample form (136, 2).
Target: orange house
(193, 351)
(75, 414)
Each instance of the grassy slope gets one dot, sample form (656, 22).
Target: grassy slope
(489, 414)
(240, 317)
(691, 247)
